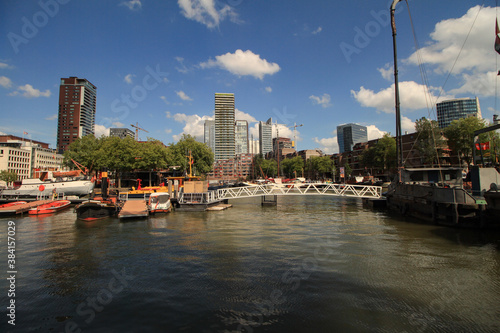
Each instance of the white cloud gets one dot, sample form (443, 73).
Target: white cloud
(163, 98)
(5, 82)
(407, 125)
(100, 130)
(243, 63)
(183, 96)
(193, 124)
(324, 100)
(387, 72)
(182, 69)
(328, 145)
(480, 84)
(132, 4)
(269, 89)
(168, 130)
(448, 38)
(53, 117)
(3, 65)
(205, 12)
(29, 92)
(374, 133)
(240, 115)
(128, 78)
(413, 96)
(317, 31)
(118, 124)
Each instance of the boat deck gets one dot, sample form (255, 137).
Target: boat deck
(134, 208)
(22, 208)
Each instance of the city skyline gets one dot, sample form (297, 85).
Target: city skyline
(319, 64)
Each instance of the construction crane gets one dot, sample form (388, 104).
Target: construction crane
(137, 128)
(294, 139)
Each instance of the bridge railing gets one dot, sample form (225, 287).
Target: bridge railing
(344, 190)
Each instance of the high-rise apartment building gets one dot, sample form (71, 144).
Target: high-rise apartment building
(455, 109)
(224, 126)
(266, 136)
(122, 133)
(350, 134)
(241, 137)
(76, 115)
(209, 134)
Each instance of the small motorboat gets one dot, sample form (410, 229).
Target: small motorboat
(159, 203)
(96, 209)
(10, 204)
(50, 208)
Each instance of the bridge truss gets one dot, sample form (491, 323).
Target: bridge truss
(341, 190)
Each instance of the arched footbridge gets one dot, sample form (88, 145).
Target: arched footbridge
(340, 190)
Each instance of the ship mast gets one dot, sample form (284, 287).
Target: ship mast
(399, 144)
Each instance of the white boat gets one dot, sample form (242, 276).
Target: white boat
(159, 202)
(63, 184)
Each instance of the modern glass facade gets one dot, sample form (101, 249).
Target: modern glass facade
(350, 134)
(241, 137)
(456, 109)
(266, 136)
(224, 126)
(209, 134)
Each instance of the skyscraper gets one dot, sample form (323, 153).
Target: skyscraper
(241, 137)
(77, 106)
(455, 109)
(266, 136)
(224, 126)
(350, 134)
(209, 134)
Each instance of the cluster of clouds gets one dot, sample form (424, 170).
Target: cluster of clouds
(467, 54)
(27, 90)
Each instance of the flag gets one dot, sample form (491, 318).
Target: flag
(497, 38)
(25, 133)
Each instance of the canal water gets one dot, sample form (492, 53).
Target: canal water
(310, 264)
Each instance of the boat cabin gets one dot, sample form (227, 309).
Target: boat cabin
(448, 176)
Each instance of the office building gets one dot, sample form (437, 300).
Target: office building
(209, 134)
(77, 107)
(122, 133)
(266, 136)
(224, 126)
(456, 109)
(350, 134)
(241, 137)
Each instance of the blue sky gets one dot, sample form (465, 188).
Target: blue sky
(316, 63)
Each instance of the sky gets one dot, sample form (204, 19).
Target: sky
(310, 65)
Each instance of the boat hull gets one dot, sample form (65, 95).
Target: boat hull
(95, 210)
(32, 189)
(50, 208)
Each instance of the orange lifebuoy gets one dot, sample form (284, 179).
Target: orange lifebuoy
(41, 188)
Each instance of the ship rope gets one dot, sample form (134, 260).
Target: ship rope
(432, 112)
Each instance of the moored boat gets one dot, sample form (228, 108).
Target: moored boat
(10, 204)
(96, 209)
(50, 208)
(159, 203)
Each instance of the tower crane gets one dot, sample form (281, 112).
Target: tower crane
(294, 129)
(137, 128)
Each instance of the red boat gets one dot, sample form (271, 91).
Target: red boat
(10, 204)
(50, 208)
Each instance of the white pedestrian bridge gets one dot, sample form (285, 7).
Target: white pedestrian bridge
(340, 190)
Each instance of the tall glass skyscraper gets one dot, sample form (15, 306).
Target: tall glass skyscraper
(350, 134)
(456, 109)
(76, 114)
(224, 126)
(209, 134)
(266, 136)
(241, 137)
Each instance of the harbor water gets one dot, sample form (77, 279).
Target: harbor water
(309, 264)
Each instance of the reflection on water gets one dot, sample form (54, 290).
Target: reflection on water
(308, 264)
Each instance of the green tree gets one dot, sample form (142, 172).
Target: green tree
(118, 155)
(291, 166)
(429, 140)
(269, 167)
(460, 136)
(382, 155)
(203, 157)
(323, 165)
(8, 176)
(84, 151)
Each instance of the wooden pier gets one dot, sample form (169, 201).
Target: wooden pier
(134, 208)
(22, 208)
